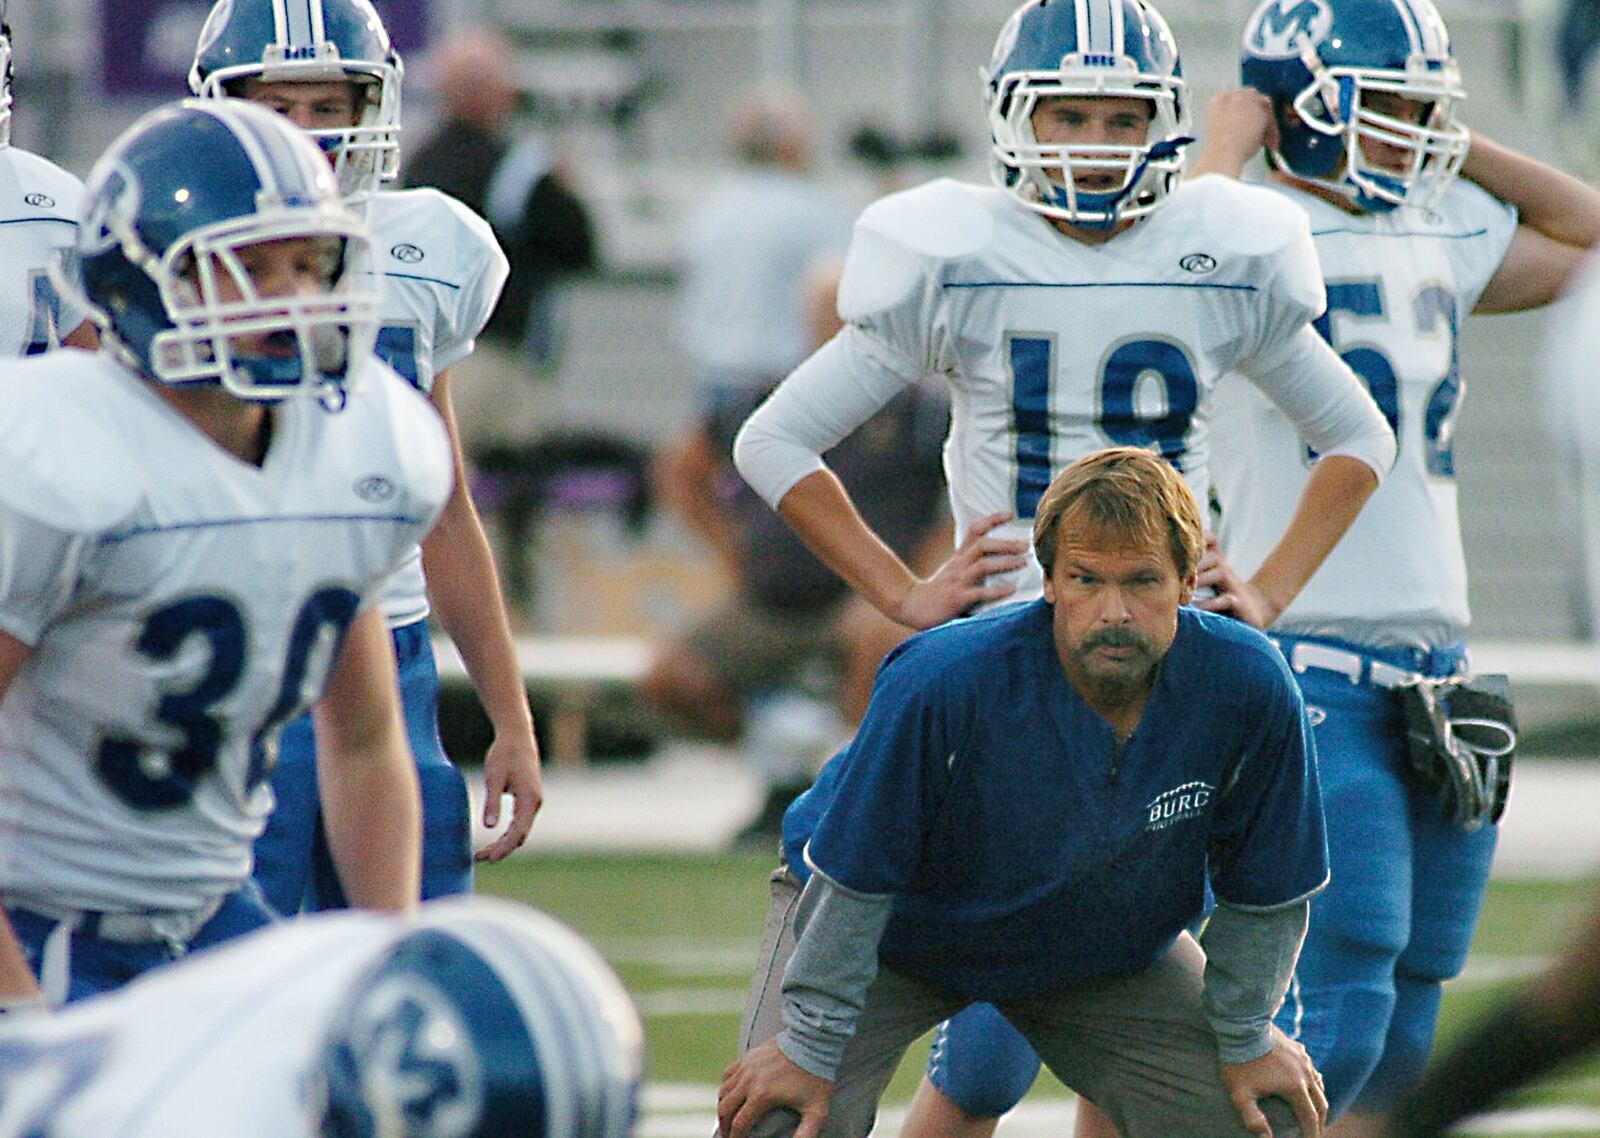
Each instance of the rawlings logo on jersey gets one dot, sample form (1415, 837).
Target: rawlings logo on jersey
(40, 201)
(1198, 263)
(375, 488)
(406, 253)
(1181, 802)
(1281, 27)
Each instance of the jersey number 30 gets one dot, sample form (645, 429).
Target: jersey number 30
(150, 779)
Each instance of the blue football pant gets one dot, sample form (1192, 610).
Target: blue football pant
(293, 863)
(1397, 916)
(96, 965)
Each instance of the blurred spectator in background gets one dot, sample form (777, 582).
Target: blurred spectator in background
(745, 251)
(739, 675)
(527, 191)
(1570, 382)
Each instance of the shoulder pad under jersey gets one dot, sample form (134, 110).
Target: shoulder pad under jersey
(414, 430)
(65, 462)
(1259, 223)
(900, 239)
(450, 227)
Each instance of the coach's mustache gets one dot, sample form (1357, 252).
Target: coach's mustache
(1116, 638)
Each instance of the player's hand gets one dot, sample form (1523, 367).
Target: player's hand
(1285, 1072)
(1239, 125)
(764, 1079)
(958, 584)
(1232, 594)
(510, 766)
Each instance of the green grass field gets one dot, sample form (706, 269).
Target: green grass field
(683, 930)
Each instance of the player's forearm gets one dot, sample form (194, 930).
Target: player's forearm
(372, 812)
(464, 590)
(1555, 204)
(18, 988)
(820, 510)
(1332, 497)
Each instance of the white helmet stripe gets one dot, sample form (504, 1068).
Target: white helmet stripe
(268, 160)
(1412, 25)
(1100, 27)
(300, 24)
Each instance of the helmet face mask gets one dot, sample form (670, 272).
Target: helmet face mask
(1080, 50)
(314, 41)
(183, 218)
(1340, 73)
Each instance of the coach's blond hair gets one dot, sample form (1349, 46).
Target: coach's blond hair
(1121, 496)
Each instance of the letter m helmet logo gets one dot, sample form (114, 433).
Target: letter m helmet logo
(1281, 28)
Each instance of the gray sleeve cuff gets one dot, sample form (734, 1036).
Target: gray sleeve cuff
(1250, 956)
(834, 962)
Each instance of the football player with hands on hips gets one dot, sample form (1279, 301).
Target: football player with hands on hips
(39, 209)
(196, 525)
(472, 1018)
(1091, 296)
(1418, 222)
(328, 67)
(1033, 811)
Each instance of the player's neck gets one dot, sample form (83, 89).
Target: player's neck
(1091, 236)
(238, 426)
(1320, 192)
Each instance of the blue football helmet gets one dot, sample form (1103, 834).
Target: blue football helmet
(167, 211)
(488, 1020)
(1320, 61)
(1118, 48)
(312, 41)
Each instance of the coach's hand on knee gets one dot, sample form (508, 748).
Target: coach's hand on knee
(764, 1079)
(1285, 1072)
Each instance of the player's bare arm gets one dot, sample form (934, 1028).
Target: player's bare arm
(765, 1079)
(821, 512)
(464, 590)
(17, 985)
(365, 772)
(1334, 494)
(1558, 221)
(1285, 1072)
(1238, 125)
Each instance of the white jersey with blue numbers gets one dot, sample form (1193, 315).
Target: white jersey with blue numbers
(1053, 348)
(179, 606)
(442, 274)
(220, 1044)
(38, 216)
(1399, 285)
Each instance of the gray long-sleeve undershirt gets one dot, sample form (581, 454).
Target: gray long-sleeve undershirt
(1250, 956)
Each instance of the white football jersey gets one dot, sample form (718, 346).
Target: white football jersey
(1398, 286)
(39, 215)
(179, 605)
(218, 1044)
(1054, 348)
(442, 274)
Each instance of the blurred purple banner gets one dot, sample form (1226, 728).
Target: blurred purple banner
(146, 46)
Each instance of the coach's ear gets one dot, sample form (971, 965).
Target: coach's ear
(1186, 590)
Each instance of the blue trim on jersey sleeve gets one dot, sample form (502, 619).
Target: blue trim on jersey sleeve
(214, 523)
(1102, 284)
(412, 277)
(1406, 233)
(31, 220)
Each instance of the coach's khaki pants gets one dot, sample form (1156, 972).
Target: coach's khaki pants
(1137, 1046)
